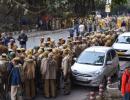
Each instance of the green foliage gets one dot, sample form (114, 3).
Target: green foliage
(62, 8)
(119, 2)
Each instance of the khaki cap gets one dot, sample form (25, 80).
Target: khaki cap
(16, 59)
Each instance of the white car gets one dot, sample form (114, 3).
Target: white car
(122, 45)
(94, 65)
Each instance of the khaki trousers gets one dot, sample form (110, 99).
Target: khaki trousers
(29, 88)
(50, 87)
(67, 84)
(14, 93)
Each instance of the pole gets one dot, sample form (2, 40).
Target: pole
(107, 14)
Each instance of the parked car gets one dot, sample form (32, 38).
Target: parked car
(94, 65)
(122, 45)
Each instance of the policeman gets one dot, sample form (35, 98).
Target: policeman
(50, 76)
(58, 58)
(66, 65)
(29, 76)
(84, 44)
(77, 48)
(42, 68)
(3, 73)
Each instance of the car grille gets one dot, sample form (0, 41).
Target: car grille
(82, 82)
(121, 50)
(79, 74)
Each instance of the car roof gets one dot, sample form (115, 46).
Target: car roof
(125, 34)
(102, 49)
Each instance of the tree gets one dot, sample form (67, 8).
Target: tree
(79, 7)
(119, 2)
(13, 9)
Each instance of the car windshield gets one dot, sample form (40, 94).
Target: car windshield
(93, 58)
(123, 39)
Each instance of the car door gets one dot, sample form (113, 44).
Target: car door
(108, 64)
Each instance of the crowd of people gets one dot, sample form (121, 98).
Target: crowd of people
(92, 24)
(46, 68)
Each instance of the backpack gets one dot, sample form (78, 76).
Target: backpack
(120, 80)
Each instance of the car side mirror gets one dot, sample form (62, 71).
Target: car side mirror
(75, 59)
(109, 62)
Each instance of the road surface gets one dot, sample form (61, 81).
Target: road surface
(78, 92)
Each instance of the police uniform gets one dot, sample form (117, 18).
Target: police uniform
(50, 76)
(42, 67)
(77, 49)
(3, 73)
(29, 76)
(66, 65)
(58, 59)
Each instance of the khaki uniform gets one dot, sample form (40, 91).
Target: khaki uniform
(3, 49)
(14, 92)
(29, 76)
(58, 59)
(66, 65)
(3, 75)
(37, 70)
(49, 72)
(12, 47)
(42, 70)
(77, 50)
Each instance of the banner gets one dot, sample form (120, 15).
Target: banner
(107, 8)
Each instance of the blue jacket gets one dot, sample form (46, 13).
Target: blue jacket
(10, 67)
(15, 78)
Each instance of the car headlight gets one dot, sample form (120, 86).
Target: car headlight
(97, 73)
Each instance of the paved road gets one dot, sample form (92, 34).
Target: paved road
(78, 92)
(34, 41)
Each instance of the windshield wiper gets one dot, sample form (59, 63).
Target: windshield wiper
(98, 64)
(85, 63)
(123, 42)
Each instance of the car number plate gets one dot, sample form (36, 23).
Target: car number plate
(81, 79)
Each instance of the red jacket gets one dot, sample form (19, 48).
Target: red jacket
(125, 82)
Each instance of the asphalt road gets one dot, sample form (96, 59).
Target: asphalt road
(78, 92)
(35, 40)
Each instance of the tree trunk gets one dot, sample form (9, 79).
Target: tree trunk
(84, 7)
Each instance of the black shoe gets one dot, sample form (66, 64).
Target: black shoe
(46, 97)
(66, 93)
(53, 97)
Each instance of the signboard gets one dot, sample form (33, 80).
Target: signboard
(108, 1)
(107, 8)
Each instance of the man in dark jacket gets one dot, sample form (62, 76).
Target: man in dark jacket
(8, 38)
(22, 38)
